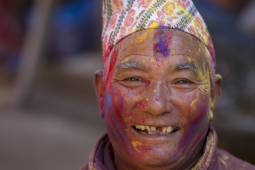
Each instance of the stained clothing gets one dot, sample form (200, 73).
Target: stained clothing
(101, 158)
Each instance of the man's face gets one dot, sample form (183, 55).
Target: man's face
(157, 98)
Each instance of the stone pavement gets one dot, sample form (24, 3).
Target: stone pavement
(35, 141)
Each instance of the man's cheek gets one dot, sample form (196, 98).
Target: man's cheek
(191, 106)
(114, 123)
(125, 101)
(118, 103)
(198, 116)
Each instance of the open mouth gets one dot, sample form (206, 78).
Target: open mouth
(152, 130)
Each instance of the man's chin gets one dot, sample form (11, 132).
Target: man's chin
(155, 150)
(156, 156)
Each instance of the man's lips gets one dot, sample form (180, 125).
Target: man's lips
(154, 130)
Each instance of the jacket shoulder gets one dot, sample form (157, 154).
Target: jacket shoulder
(228, 161)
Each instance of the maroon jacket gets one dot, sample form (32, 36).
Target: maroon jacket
(101, 157)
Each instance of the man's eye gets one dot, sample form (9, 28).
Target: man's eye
(183, 82)
(134, 79)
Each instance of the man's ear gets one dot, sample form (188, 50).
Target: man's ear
(215, 94)
(99, 86)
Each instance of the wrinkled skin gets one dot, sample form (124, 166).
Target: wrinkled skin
(158, 78)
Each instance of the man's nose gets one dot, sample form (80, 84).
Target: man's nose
(159, 99)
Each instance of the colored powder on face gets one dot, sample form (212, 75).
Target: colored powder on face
(143, 104)
(135, 143)
(142, 37)
(206, 119)
(113, 119)
(112, 65)
(153, 59)
(110, 106)
(200, 120)
(163, 45)
(112, 111)
(115, 112)
(194, 102)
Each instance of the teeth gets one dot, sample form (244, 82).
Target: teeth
(169, 129)
(138, 126)
(142, 127)
(153, 130)
(152, 133)
(164, 129)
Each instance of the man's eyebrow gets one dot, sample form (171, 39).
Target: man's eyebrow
(186, 66)
(131, 65)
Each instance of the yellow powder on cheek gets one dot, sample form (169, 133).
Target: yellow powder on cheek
(194, 102)
(135, 143)
(204, 68)
(201, 74)
(202, 92)
(205, 86)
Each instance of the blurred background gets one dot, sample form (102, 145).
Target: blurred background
(49, 51)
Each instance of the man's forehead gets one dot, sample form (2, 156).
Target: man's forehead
(153, 42)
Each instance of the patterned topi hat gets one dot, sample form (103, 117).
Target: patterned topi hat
(124, 17)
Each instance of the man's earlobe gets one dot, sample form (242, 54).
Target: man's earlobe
(99, 86)
(216, 92)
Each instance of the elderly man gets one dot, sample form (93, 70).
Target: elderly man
(158, 90)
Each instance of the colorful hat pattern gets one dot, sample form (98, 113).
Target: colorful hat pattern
(124, 17)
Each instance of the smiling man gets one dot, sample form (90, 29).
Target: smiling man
(158, 90)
